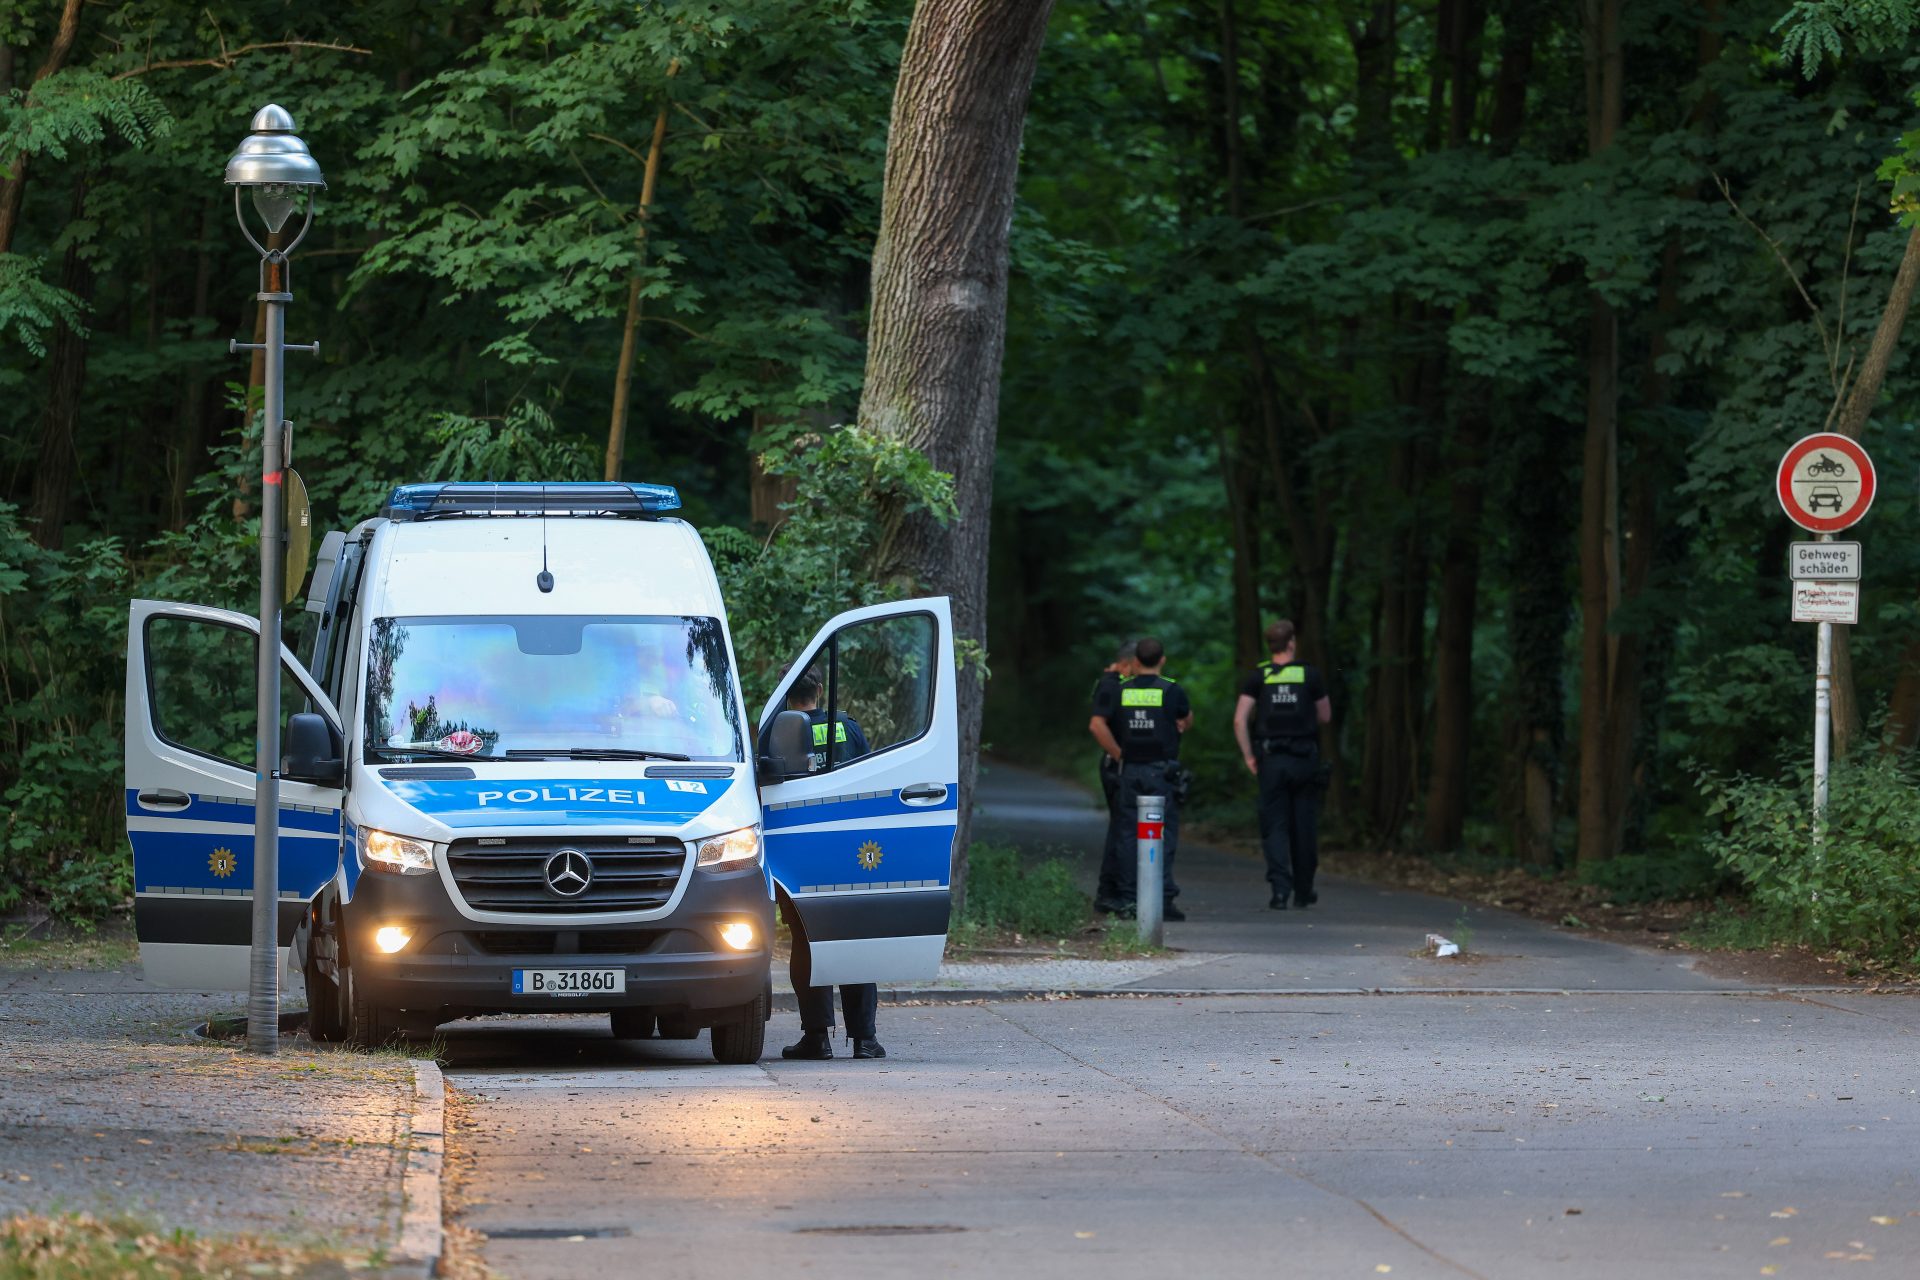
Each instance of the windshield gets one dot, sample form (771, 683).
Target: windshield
(527, 687)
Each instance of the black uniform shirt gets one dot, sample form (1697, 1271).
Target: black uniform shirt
(1144, 722)
(1106, 694)
(1286, 700)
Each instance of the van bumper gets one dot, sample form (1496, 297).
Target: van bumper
(455, 967)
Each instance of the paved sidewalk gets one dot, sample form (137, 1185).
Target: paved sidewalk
(1360, 938)
(109, 1106)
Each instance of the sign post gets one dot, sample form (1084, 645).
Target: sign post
(1825, 484)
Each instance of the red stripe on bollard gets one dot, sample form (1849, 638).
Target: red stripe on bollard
(1149, 830)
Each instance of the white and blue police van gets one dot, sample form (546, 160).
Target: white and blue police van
(518, 776)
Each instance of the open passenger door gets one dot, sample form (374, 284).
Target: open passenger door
(190, 794)
(862, 844)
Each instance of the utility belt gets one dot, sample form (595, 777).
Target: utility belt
(1299, 745)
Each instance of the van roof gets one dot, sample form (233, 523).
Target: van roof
(600, 565)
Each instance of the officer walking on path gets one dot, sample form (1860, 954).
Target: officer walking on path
(1106, 699)
(859, 1001)
(1143, 735)
(1277, 722)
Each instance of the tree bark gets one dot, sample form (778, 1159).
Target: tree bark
(1453, 682)
(1860, 403)
(629, 333)
(67, 378)
(13, 187)
(939, 312)
(1599, 549)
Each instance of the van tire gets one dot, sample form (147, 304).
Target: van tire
(369, 1025)
(742, 1041)
(632, 1024)
(326, 1020)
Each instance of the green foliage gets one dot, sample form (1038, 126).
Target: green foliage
(522, 446)
(1813, 30)
(73, 109)
(1684, 871)
(820, 559)
(1851, 883)
(60, 723)
(1039, 899)
(30, 307)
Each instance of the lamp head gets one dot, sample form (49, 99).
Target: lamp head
(276, 164)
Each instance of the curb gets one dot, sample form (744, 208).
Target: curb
(422, 1232)
(786, 1003)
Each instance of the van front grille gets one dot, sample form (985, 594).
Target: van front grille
(637, 873)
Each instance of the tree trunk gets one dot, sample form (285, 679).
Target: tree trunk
(1453, 682)
(1861, 400)
(1538, 538)
(629, 333)
(67, 378)
(1599, 551)
(1240, 482)
(13, 188)
(939, 314)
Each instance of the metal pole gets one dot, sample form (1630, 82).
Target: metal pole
(1822, 711)
(263, 977)
(1149, 830)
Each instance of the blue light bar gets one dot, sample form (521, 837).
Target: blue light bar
(590, 498)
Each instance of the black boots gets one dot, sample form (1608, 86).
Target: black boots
(812, 1045)
(815, 1046)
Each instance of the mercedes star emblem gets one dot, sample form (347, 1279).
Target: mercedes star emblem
(569, 873)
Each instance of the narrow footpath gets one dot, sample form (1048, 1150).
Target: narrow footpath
(1360, 937)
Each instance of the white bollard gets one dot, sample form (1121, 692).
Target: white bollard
(1149, 833)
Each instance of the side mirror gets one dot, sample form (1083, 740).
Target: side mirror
(788, 747)
(312, 754)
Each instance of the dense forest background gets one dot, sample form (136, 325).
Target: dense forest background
(1465, 333)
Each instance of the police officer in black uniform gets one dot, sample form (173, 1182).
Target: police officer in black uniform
(1106, 698)
(1277, 722)
(859, 1001)
(1143, 734)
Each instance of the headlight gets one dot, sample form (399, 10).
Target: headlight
(390, 852)
(732, 850)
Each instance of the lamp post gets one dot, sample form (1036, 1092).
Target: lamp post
(274, 164)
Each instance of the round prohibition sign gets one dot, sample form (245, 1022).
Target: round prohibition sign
(1825, 482)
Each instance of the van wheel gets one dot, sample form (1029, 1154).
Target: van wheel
(369, 1025)
(632, 1024)
(326, 1021)
(741, 1041)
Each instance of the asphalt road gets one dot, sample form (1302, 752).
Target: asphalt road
(1656, 1129)
(1676, 1135)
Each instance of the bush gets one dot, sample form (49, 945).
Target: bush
(1853, 885)
(1004, 893)
(1683, 872)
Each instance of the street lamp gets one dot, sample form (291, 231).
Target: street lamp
(275, 165)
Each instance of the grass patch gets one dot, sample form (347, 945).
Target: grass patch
(81, 1247)
(66, 947)
(1036, 900)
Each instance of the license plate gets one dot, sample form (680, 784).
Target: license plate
(569, 982)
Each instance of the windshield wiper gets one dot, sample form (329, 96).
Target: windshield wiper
(591, 753)
(388, 753)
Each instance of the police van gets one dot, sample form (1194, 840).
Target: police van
(518, 776)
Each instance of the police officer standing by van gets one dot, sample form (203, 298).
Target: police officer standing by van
(1142, 733)
(859, 1001)
(1106, 698)
(1277, 723)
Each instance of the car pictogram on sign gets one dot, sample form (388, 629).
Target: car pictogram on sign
(1826, 498)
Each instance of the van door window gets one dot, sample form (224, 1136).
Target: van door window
(201, 678)
(880, 687)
